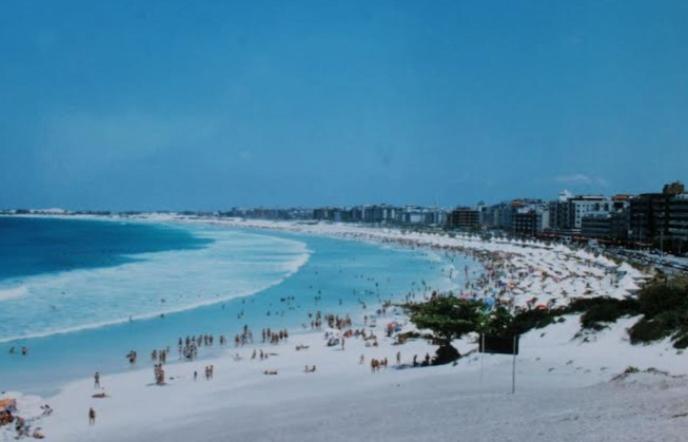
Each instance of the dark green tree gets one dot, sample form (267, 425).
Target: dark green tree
(499, 322)
(448, 318)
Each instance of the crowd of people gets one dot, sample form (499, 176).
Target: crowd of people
(244, 338)
(23, 427)
(274, 337)
(160, 356)
(377, 364)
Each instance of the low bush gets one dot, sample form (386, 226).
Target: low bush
(664, 305)
(526, 320)
(681, 340)
(648, 330)
(658, 298)
(602, 310)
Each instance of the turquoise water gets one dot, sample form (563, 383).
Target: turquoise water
(238, 277)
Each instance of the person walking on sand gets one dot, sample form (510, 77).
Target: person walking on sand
(96, 379)
(91, 416)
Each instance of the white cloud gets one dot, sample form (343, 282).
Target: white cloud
(581, 179)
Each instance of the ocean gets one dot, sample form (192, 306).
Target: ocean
(81, 293)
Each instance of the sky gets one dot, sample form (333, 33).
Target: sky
(147, 105)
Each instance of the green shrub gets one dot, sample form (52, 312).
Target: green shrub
(601, 310)
(526, 320)
(658, 298)
(648, 330)
(681, 340)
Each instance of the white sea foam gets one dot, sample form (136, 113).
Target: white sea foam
(236, 264)
(7, 293)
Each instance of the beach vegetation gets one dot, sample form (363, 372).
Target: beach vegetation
(448, 318)
(600, 311)
(662, 307)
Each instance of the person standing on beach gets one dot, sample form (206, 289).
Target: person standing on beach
(91, 416)
(96, 379)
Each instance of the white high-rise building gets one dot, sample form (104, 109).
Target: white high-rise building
(587, 206)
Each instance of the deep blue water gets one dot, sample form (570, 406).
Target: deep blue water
(32, 246)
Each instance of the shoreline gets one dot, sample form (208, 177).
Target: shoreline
(516, 251)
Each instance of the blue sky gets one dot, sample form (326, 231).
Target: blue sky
(206, 105)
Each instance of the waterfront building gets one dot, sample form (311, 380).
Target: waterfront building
(661, 219)
(464, 218)
(582, 206)
(529, 217)
(559, 217)
(526, 222)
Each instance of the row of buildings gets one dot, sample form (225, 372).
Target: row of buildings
(381, 214)
(657, 220)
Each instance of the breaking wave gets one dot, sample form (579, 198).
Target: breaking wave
(236, 264)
